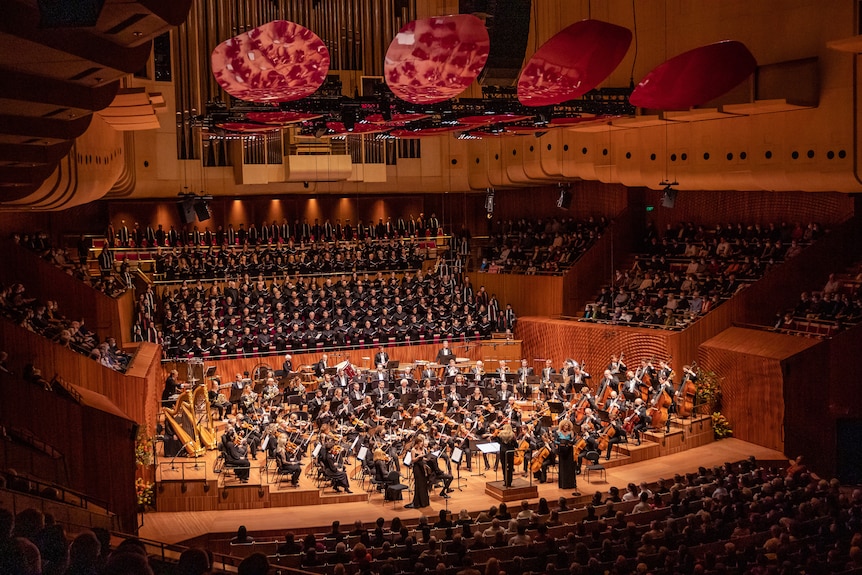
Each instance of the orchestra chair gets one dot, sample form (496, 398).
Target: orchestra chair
(594, 465)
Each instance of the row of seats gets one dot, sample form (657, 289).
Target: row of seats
(689, 271)
(539, 246)
(736, 518)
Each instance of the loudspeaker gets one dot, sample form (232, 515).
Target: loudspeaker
(202, 209)
(508, 23)
(565, 200)
(69, 13)
(186, 209)
(668, 199)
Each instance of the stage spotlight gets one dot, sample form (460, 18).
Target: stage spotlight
(489, 201)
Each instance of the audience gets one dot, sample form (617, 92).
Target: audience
(688, 271)
(540, 246)
(110, 283)
(45, 320)
(736, 518)
(837, 305)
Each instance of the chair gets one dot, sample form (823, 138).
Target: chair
(594, 465)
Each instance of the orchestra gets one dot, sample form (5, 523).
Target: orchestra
(409, 421)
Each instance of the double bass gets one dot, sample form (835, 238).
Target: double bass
(658, 408)
(687, 392)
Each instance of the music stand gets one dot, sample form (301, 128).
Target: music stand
(455, 457)
(491, 447)
(211, 371)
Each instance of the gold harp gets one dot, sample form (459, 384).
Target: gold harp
(204, 415)
(185, 429)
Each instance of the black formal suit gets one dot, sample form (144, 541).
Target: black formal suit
(235, 455)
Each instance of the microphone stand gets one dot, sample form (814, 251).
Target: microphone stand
(183, 448)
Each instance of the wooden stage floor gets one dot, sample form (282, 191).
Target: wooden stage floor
(175, 527)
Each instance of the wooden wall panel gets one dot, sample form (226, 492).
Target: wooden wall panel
(137, 397)
(360, 358)
(752, 394)
(766, 383)
(587, 342)
(529, 295)
(98, 454)
(714, 207)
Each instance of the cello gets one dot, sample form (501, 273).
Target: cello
(523, 446)
(540, 455)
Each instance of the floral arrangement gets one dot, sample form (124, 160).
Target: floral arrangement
(143, 447)
(144, 491)
(721, 426)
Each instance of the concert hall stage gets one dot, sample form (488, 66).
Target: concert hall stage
(175, 527)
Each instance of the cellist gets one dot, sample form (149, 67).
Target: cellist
(619, 435)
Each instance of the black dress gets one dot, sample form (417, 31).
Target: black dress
(507, 456)
(566, 463)
(420, 487)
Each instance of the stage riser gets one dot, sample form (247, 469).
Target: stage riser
(171, 498)
(519, 491)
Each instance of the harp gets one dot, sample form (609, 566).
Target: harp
(181, 419)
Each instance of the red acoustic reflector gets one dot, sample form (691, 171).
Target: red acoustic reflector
(245, 127)
(280, 118)
(695, 77)
(435, 59)
(573, 62)
(280, 61)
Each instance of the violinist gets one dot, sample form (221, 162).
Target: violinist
(438, 475)
(512, 412)
(289, 462)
